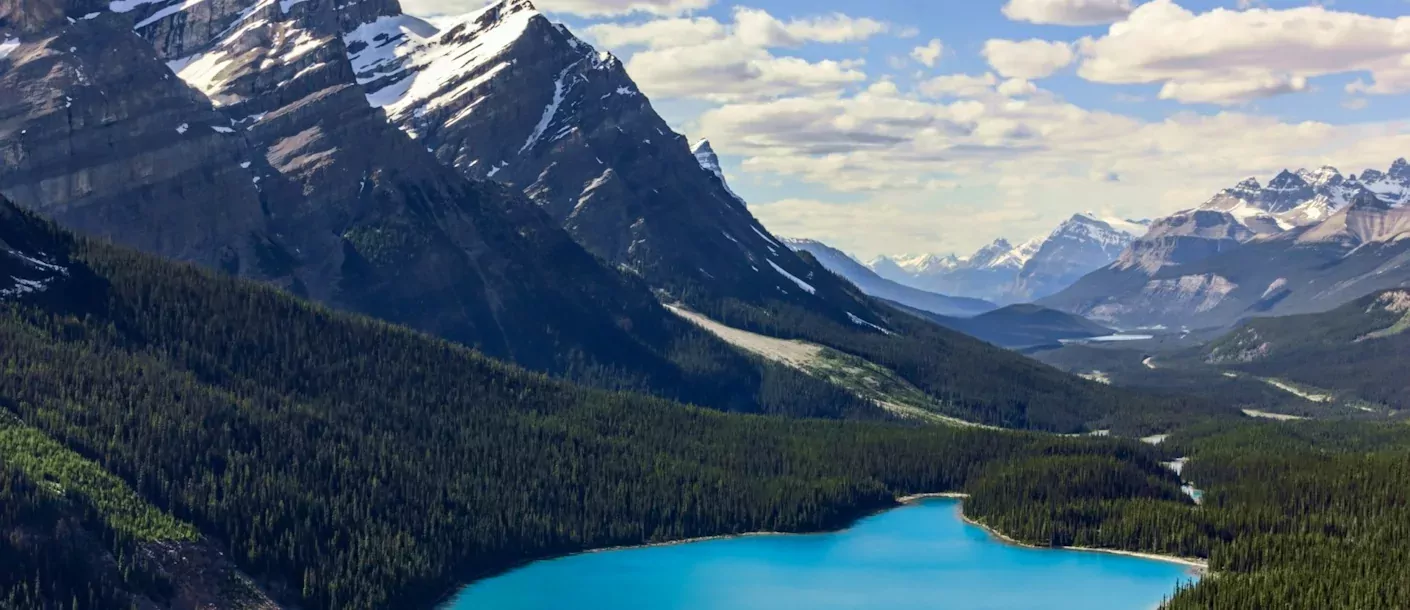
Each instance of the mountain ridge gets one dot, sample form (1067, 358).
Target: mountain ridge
(1308, 241)
(1007, 274)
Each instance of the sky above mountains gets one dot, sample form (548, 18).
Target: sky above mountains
(937, 125)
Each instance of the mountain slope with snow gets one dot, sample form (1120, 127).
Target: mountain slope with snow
(874, 285)
(1005, 273)
(236, 135)
(1307, 241)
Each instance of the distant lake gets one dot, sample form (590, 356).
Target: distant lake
(1110, 339)
(921, 556)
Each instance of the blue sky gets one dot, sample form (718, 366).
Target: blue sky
(834, 125)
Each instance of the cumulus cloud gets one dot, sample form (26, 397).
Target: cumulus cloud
(959, 85)
(937, 161)
(1028, 59)
(703, 58)
(1068, 12)
(929, 54)
(1228, 56)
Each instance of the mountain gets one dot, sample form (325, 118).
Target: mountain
(1309, 241)
(160, 422)
(504, 94)
(1006, 273)
(1014, 327)
(986, 274)
(1078, 246)
(265, 159)
(328, 110)
(1357, 349)
(874, 285)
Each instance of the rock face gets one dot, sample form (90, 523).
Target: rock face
(235, 134)
(874, 285)
(504, 94)
(1006, 273)
(97, 134)
(1308, 241)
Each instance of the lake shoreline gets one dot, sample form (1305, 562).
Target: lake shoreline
(1198, 566)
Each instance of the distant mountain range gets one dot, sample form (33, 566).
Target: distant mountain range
(1308, 241)
(873, 284)
(1015, 326)
(490, 179)
(1004, 273)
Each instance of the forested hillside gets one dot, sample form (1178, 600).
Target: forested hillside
(355, 464)
(1357, 351)
(1305, 516)
(346, 463)
(978, 381)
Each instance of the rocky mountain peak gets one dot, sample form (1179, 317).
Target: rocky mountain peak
(1287, 181)
(1250, 184)
(709, 161)
(1322, 177)
(991, 255)
(1400, 171)
(1367, 200)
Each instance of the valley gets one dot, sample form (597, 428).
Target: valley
(317, 305)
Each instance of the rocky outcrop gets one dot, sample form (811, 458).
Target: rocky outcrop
(98, 134)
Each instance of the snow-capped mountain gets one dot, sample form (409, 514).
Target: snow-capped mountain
(873, 284)
(236, 134)
(1309, 240)
(1006, 273)
(505, 94)
(1078, 246)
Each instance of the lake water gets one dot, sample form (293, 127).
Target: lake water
(921, 556)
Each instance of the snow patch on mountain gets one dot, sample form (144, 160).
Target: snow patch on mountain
(411, 63)
(25, 274)
(808, 288)
(559, 88)
(860, 322)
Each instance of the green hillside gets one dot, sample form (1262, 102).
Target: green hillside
(1355, 353)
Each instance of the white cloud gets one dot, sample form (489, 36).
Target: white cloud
(929, 54)
(921, 165)
(1028, 59)
(1068, 12)
(1015, 87)
(660, 33)
(1227, 56)
(1235, 91)
(959, 85)
(705, 59)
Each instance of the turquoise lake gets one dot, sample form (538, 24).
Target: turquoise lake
(921, 556)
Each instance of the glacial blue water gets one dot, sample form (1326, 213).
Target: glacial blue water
(921, 556)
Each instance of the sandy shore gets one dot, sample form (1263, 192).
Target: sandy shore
(954, 495)
(1198, 566)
